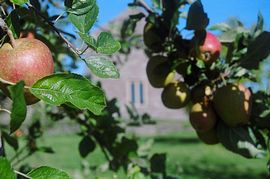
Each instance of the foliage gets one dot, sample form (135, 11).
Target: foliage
(84, 102)
(243, 50)
(77, 98)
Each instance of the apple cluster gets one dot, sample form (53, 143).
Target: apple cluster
(210, 103)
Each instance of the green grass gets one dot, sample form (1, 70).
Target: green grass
(187, 158)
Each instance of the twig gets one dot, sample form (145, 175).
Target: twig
(3, 11)
(143, 4)
(22, 174)
(5, 110)
(58, 17)
(222, 77)
(5, 28)
(70, 45)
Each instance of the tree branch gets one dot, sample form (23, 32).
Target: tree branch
(5, 28)
(69, 44)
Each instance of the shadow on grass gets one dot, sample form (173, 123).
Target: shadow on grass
(219, 172)
(177, 140)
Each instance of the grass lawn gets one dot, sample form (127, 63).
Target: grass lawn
(187, 158)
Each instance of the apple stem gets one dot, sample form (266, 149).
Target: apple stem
(5, 28)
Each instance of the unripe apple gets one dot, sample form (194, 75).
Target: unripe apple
(232, 103)
(209, 137)
(207, 49)
(201, 93)
(158, 71)
(29, 60)
(202, 117)
(175, 95)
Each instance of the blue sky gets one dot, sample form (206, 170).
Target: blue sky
(217, 10)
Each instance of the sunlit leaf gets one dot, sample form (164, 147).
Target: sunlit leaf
(89, 40)
(70, 88)
(102, 66)
(106, 44)
(48, 173)
(19, 2)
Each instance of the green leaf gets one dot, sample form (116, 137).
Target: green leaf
(238, 140)
(63, 88)
(19, 2)
(86, 146)
(221, 26)
(258, 50)
(129, 25)
(13, 22)
(157, 3)
(48, 173)
(79, 7)
(158, 163)
(84, 19)
(89, 40)
(200, 64)
(18, 112)
(260, 22)
(106, 44)
(6, 170)
(12, 141)
(197, 19)
(91, 18)
(102, 67)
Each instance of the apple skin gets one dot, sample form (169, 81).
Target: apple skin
(202, 117)
(209, 50)
(233, 103)
(175, 95)
(158, 72)
(201, 93)
(30, 60)
(209, 137)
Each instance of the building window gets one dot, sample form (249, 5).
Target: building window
(141, 93)
(132, 88)
(136, 93)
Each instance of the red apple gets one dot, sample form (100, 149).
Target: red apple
(29, 60)
(209, 49)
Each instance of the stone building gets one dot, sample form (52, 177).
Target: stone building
(133, 87)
